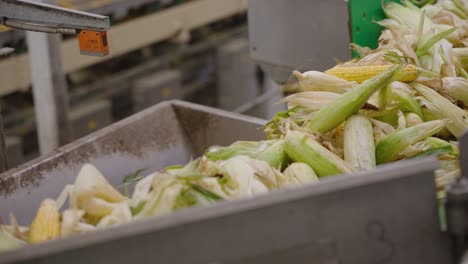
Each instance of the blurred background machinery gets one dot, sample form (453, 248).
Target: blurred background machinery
(194, 50)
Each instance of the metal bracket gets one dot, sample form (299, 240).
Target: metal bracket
(29, 14)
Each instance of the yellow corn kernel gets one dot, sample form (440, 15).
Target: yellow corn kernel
(46, 225)
(360, 74)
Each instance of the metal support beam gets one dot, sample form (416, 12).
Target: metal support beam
(49, 90)
(49, 15)
(3, 154)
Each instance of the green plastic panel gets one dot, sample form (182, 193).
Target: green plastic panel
(364, 13)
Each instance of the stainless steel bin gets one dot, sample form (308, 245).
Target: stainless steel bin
(388, 215)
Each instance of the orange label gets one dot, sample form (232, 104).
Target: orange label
(93, 43)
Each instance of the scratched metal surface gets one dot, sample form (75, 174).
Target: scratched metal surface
(388, 215)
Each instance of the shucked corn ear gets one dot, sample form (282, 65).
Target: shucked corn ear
(319, 81)
(310, 100)
(335, 113)
(299, 173)
(457, 88)
(46, 225)
(413, 119)
(360, 74)
(300, 147)
(442, 108)
(93, 193)
(359, 147)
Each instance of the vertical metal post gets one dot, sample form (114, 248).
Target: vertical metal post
(3, 154)
(49, 90)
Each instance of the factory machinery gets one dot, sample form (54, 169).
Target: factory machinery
(146, 65)
(392, 218)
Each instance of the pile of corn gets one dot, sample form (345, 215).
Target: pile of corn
(404, 100)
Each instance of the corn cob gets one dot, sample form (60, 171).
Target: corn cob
(413, 119)
(274, 155)
(310, 100)
(407, 102)
(46, 225)
(318, 81)
(300, 173)
(300, 147)
(442, 108)
(335, 113)
(389, 148)
(359, 147)
(457, 88)
(360, 74)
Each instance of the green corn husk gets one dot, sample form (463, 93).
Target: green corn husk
(401, 121)
(407, 102)
(454, 7)
(431, 146)
(384, 97)
(429, 116)
(274, 155)
(461, 57)
(213, 185)
(332, 115)
(413, 119)
(8, 241)
(427, 44)
(271, 151)
(410, 18)
(404, 16)
(300, 147)
(275, 128)
(164, 196)
(191, 169)
(389, 115)
(359, 147)
(381, 130)
(194, 196)
(239, 148)
(242, 180)
(438, 143)
(433, 152)
(299, 173)
(389, 148)
(442, 108)
(457, 88)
